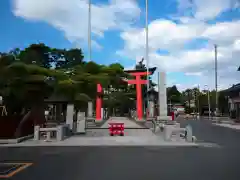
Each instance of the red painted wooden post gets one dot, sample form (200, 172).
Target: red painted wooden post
(99, 103)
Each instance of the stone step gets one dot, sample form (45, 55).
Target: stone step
(90, 124)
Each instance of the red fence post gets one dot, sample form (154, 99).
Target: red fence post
(173, 116)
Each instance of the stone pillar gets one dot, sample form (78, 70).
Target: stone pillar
(90, 109)
(36, 133)
(81, 124)
(102, 113)
(162, 95)
(48, 138)
(151, 109)
(69, 118)
(167, 133)
(60, 133)
(106, 113)
(189, 133)
(81, 116)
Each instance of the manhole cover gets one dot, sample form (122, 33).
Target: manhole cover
(7, 170)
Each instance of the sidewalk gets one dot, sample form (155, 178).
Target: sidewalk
(108, 141)
(232, 126)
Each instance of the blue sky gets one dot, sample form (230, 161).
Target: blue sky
(181, 33)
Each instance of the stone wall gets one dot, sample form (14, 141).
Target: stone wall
(9, 124)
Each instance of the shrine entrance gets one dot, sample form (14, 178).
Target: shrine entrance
(138, 81)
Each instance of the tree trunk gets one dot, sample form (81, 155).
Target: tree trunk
(35, 115)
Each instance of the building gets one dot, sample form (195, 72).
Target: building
(179, 108)
(233, 95)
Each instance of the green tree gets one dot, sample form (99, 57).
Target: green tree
(67, 59)
(29, 85)
(38, 54)
(173, 95)
(187, 97)
(223, 102)
(38, 71)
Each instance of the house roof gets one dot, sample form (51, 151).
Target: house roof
(235, 87)
(151, 70)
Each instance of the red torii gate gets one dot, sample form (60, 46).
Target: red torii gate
(138, 81)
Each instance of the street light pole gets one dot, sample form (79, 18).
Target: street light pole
(89, 31)
(216, 79)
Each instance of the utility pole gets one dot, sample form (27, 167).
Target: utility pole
(147, 57)
(209, 102)
(209, 105)
(89, 32)
(198, 98)
(216, 79)
(194, 100)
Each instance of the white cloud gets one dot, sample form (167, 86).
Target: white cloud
(162, 34)
(173, 39)
(223, 33)
(71, 16)
(206, 9)
(176, 38)
(236, 45)
(213, 9)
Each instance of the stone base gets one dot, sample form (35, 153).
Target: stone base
(171, 123)
(162, 125)
(15, 141)
(140, 120)
(81, 127)
(151, 118)
(164, 118)
(98, 121)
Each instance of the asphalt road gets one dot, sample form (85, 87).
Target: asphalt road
(205, 131)
(134, 163)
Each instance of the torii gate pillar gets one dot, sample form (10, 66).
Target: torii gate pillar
(99, 114)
